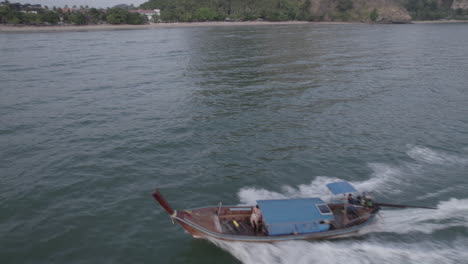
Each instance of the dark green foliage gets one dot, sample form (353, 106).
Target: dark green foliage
(426, 10)
(280, 10)
(50, 17)
(136, 19)
(78, 18)
(344, 5)
(122, 16)
(30, 18)
(117, 16)
(203, 10)
(205, 14)
(460, 14)
(304, 11)
(95, 16)
(10, 15)
(374, 15)
(219, 10)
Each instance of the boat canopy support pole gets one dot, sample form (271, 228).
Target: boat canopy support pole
(219, 209)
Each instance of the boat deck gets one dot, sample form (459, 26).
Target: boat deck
(236, 220)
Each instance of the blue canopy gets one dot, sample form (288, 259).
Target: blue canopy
(341, 187)
(284, 217)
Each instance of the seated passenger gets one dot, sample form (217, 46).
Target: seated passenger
(351, 199)
(352, 211)
(256, 218)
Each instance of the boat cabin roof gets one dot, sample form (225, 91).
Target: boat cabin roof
(295, 215)
(341, 187)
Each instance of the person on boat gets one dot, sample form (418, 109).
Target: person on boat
(256, 218)
(351, 199)
(358, 200)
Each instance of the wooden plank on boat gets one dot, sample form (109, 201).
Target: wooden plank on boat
(240, 209)
(228, 227)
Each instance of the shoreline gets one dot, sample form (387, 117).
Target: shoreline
(447, 21)
(104, 27)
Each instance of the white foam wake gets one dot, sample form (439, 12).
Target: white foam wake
(372, 250)
(346, 251)
(315, 188)
(431, 156)
(451, 213)
(384, 179)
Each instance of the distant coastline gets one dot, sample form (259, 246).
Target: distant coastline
(442, 21)
(104, 27)
(20, 28)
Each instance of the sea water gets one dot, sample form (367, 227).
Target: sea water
(92, 122)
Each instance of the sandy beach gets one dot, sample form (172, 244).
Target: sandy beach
(440, 21)
(68, 28)
(19, 28)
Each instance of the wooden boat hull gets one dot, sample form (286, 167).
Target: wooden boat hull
(231, 223)
(200, 232)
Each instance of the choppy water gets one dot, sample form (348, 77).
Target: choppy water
(92, 122)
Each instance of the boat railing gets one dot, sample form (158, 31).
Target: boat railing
(358, 219)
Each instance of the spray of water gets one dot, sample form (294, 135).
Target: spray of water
(385, 178)
(451, 213)
(346, 251)
(427, 155)
(372, 249)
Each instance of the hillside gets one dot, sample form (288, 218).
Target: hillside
(463, 4)
(379, 11)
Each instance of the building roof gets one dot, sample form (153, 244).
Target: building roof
(289, 216)
(341, 187)
(142, 11)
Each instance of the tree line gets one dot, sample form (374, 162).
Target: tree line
(219, 10)
(433, 10)
(83, 16)
(282, 10)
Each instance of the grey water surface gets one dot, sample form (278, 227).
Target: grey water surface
(92, 122)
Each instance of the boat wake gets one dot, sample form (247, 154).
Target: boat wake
(376, 247)
(373, 249)
(451, 213)
(427, 155)
(346, 251)
(384, 179)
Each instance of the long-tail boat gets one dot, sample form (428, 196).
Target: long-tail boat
(287, 219)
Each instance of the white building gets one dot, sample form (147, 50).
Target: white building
(148, 13)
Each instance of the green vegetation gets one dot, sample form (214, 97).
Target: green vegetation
(11, 14)
(205, 14)
(374, 15)
(122, 16)
(281, 10)
(78, 18)
(228, 10)
(218, 10)
(433, 10)
(426, 10)
(117, 16)
(344, 5)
